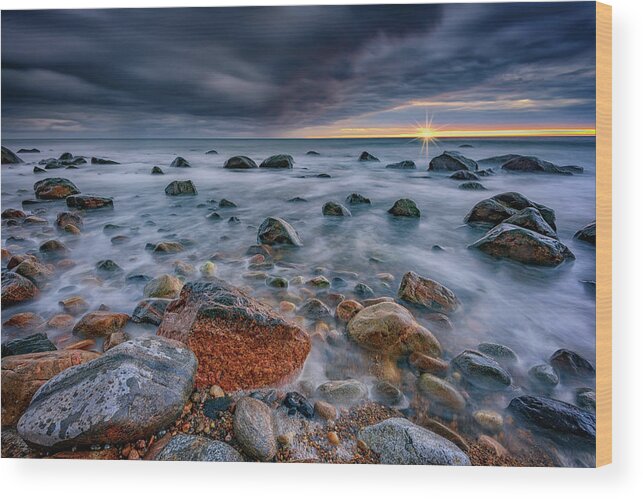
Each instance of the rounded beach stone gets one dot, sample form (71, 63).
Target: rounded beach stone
(197, 448)
(254, 429)
(100, 324)
(344, 392)
(427, 293)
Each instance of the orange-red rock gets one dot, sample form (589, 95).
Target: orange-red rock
(100, 324)
(23, 320)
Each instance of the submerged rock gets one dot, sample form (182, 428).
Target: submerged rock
(240, 162)
(129, 393)
(315, 309)
(157, 170)
(277, 161)
(9, 157)
(101, 161)
(13, 214)
(452, 161)
(240, 343)
(402, 165)
(345, 392)
(212, 151)
(164, 286)
(481, 371)
(276, 231)
(68, 218)
(390, 329)
(557, 419)
(537, 165)
(523, 245)
(530, 218)
(404, 208)
(33, 343)
(355, 199)
(543, 375)
(180, 162)
(16, 289)
(398, 441)
(464, 175)
(180, 188)
(427, 293)
(332, 209)
(572, 366)
(472, 186)
(587, 233)
(312, 153)
(86, 202)
(36, 272)
(150, 311)
(254, 429)
(366, 156)
(28, 151)
(100, 324)
(54, 188)
(502, 206)
(441, 392)
(184, 447)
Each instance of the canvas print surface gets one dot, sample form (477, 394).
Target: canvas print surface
(322, 234)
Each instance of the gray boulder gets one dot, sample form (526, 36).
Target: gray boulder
(501, 206)
(240, 163)
(196, 448)
(277, 161)
(452, 161)
(254, 429)
(332, 209)
(344, 392)
(537, 165)
(9, 157)
(472, 186)
(402, 165)
(355, 198)
(181, 188)
(405, 208)
(481, 371)
(366, 156)
(587, 233)
(530, 218)
(276, 231)
(464, 175)
(180, 162)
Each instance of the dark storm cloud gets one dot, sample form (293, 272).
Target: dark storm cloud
(267, 71)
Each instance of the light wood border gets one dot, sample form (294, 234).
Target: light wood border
(603, 234)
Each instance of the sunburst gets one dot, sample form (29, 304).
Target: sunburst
(427, 134)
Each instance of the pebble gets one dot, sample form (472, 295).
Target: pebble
(489, 420)
(325, 410)
(333, 438)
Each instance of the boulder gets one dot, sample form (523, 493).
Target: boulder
(180, 162)
(164, 286)
(184, 447)
(355, 199)
(441, 392)
(87, 202)
(402, 165)
(240, 163)
(561, 421)
(13, 214)
(366, 156)
(180, 188)
(277, 161)
(398, 441)
(102, 161)
(168, 247)
(464, 175)
(501, 353)
(24, 374)
(427, 293)
(28, 151)
(332, 209)
(586, 399)
(16, 289)
(157, 170)
(276, 231)
(9, 157)
(240, 343)
(537, 165)
(254, 429)
(543, 375)
(390, 329)
(344, 392)
(427, 364)
(108, 267)
(572, 366)
(36, 272)
(452, 161)
(150, 311)
(54, 188)
(129, 393)
(347, 309)
(587, 233)
(68, 218)
(225, 203)
(472, 186)
(33, 343)
(523, 245)
(404, 208)
(530, 218)
(481, 371)
(100, 324)
(312, 153)
(501, 206)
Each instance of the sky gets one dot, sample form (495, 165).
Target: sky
(310, 71)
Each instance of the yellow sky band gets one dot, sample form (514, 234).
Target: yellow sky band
(362, 133)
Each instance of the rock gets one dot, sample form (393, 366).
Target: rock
(501, 353)
(452, 161)
(444, 431)
(32, 220)
(464, 175)
(74, 305)
(297, 199)
(9, 157)
(500, 207)
(24, 374)
(319, 282)
(180, 162)
(37, 169)
(530, 218)
(277, 161)
(356, 199)
(543, 375)
(345, 392)
(28, 151)
(23, 321)
(427, 293)
(254, 429)
(36, 272)
(86, 202)
(404, 208)
(489, 420)
(180, 188)
(108, 267)
(101, 161)
(197, 448)
(150, 311)
(157, 170)
(16, 289)
(66, 218)
(208, 269)
(240, 343)
(276, 231)
(559, 420)
(586, 399)
(472, 186)
(115, 339)
(277, 282)
(481, 371)
(240, 162)
(402, 165)
(33, 343)
(347, 309)
(312, 153)
(315, 309)
(299, 403)
(129, 393)
(365, 156)
(427, 364)
(213, 216)
(12, 214)
(441, 392)
(390, 329)
(164, 286)
(571, 366)
(398, 441)
(523, 245)
(54, 188)
(325, 410)
(168, 247)
(332, 209)
(224, 203)
(386, 393)
(536, 165)
(100, 324)
(587, 233)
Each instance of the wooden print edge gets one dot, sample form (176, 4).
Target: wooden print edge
(604, 234)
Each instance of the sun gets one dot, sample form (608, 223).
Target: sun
(426, 134)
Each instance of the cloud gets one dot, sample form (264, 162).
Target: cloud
(275, 70)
